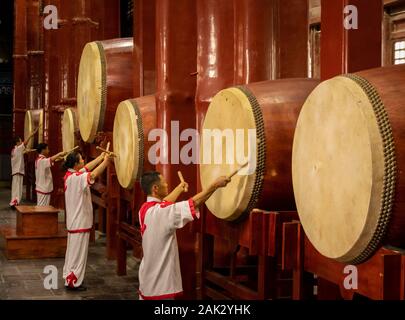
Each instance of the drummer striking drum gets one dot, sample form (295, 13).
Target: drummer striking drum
(159, 217)
(17, 168)
(79, 214)
(43, 174)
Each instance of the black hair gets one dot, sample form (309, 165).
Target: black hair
(17, 139)
(41, 147)
(149, 179)
(72, 159)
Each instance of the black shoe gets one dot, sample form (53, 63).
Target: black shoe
(80, 288)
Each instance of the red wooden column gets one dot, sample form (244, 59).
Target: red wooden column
(215, 66)
(83, 27)
(292, 33)
(255, 36)
(20, 66)
(108, 15)
(176, 47)
(144, 48)
(344, 51)
(215, 52)
(35, 55)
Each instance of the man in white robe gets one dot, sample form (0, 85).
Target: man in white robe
(43, 174)
(79, 214)
(18, 169)
(160, 217)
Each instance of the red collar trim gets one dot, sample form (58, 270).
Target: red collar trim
(67, 175)
(144, 209)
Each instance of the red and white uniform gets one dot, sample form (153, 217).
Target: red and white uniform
(159, 272)
(43, 180)
(79, 221)
(17, 172)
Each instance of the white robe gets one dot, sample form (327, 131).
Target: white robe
(17, 172)
(159, 272)
(79, 221)
(43, 180)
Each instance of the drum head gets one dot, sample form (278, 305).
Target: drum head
(33, 119)
(69, 128)
(90, 91)
(28, 128)
(127, 143)
(229, 111)
(338, 170)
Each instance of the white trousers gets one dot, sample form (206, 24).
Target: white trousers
(76, 258)
(16, 189)
(43, 199)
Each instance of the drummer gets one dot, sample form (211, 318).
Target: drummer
(17, 168)
(159, 217)
(43, 174)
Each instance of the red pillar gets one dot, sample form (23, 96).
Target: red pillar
(144, 48)
(176, 47)
(35, 55)
(344, 51)
(291, 33)
(255, 36)
(20, 66)
(215, 52)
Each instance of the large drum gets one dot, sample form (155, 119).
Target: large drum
(33, 119)
(348, 160)
(105, 79)
(134, 119)
(70, 129)
(269, 110)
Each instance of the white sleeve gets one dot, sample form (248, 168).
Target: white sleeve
(179, 214)
(85, 180)
(46, 163)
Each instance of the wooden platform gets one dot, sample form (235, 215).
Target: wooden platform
(382, 277)
(37, 234)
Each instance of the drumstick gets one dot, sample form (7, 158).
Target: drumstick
(106, 151)
(237, 170)
(182, 179)
(108, 146)
(75, 148)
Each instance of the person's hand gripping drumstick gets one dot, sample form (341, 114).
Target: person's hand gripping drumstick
(183, 184)
(106, 151)
(237, 170)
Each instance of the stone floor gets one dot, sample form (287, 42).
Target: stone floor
(24, 279)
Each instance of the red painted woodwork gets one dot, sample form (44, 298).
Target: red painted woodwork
(292, 39)
(176, 48)
(36, 235)
(20, 66)
(144, 41)
(379, 278)
(344, 51)
(37, 221)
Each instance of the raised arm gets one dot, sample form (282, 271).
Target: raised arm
(100, 169)
(31, 135)
(172, 197)
(92, 164)
(58, 157)
(203, 196)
